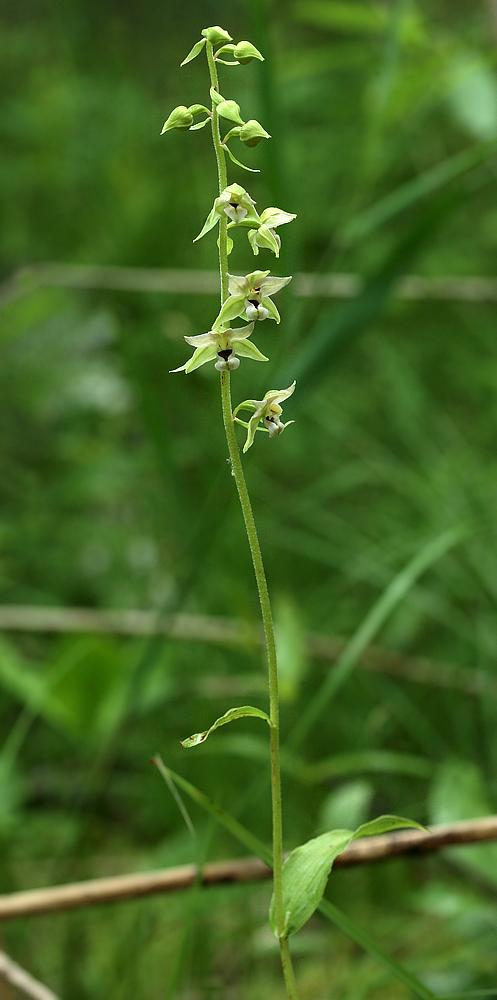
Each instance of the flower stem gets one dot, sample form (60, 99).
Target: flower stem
(253, 539)
(255, 549)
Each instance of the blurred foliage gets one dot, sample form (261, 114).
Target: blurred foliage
(115, 492)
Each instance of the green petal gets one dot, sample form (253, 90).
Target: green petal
(232, 308)
(271, 308)
(252, 427)
(200, 357)
(246, 349)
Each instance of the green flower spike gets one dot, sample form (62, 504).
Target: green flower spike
(221, 346)
(250, 297)
(264, 235)
(236, 203)
(267, 410)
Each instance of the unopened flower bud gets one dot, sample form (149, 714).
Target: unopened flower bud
(181, 118)
(216, 35)
(244, 52)
(252, 132)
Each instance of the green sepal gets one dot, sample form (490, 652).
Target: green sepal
(230, 716)
(253, 170)
(216, 35)
(246, 349)
(197, 48)
(231, 111)
(271, 308)
(232, 308)
(209, 224)
(199, 357)
(307, 868)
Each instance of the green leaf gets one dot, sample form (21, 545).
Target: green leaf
(253, 170)
(230, 716)
(198, 125)
(306, 870)
(197, 48)
(385, 824)
(305, 874)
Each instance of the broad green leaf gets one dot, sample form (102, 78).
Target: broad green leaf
(193, 53)
(305, 874)
(306, 870)
(385, 824)
(230, 716)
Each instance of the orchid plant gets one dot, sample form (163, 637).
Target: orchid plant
(299, 883)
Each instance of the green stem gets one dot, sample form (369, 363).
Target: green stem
(222, 175)
(255, 549)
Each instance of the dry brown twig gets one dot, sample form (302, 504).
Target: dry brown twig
(23, 981)
(114, 889)
(206, 628)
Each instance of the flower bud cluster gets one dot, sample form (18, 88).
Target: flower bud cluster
(249, 296)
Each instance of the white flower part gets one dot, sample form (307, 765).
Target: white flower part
(255, 311)
(236, 203)
(273, 424)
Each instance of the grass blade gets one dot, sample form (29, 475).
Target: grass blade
(391, 597)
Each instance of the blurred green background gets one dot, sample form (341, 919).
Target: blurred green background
(115, 492)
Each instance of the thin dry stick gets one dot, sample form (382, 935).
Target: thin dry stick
(193, 282)
(18, 976)
(206, 628)
(118, 888)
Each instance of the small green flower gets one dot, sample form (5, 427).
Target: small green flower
(264, 235)
(222, 345)
(267, 410)
(236, 203)
(250, 297)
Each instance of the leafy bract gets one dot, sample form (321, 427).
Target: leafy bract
(229, 716)
(306, 870)
(193, 53)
